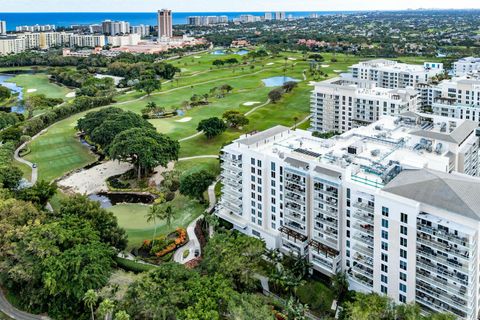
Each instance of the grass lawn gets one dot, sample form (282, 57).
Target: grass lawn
(41, 83)
(211, 165)
(131, 217)
(317, 296)
(58, 151)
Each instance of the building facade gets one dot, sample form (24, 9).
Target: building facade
(466, 66)
(3, 28)
(165, 23)
(392, 75)
(114, 28)
(340, 104)
(391, 204)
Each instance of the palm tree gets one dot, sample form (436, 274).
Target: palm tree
(90, 299)
(167, 214)
(106, 308)
(153, 214)
(122, 315)
(340, 284)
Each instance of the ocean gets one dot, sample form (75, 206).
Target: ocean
(74, 18)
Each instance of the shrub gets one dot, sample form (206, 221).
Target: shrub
(129, 265)
(169, 196)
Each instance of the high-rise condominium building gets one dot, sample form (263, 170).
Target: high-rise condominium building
(465, 66)
(165, 23)
(206, 20)
(268, 16)
(393, 75)
(341, 104)
(3, 27)
(392, 204)
(113, 28)
(280, 15)
(142, 30)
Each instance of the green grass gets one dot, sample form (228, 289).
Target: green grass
(26, 170)
(133, 266)
(40, 82)
(58, 151)
(211, 165)
(317, 296)
(131, 217)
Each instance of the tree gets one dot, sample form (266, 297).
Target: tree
(40, 193)
(153, 214)
(340, 285)
(5, 93)
(106, 308)
(93, 120)
(295, 120)
(90, 299)
(296, 310)
(235, 119)
(212, 127)
(10, 177)
(289, 86)
(235, 256)
(196, 183)
(218, 63)
(122, 315)
(103, 221)
(144, 148)
(148, 86)
(275, 95)
(226, 88)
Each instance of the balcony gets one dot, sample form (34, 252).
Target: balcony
(435, 305)
(463, 241)
(364, 228)
(428, 290)
(364, 207)
(427, 252)
(290, 233)
(364, 250)
(462, 254)
(441, 284)
(456, 277)
(365, 260)
(363, 217)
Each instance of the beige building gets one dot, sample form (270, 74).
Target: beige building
(165, 23)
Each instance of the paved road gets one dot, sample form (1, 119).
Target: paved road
(17, 157)
(16, 314)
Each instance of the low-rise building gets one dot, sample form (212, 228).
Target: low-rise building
(392, 204)
(465, 66)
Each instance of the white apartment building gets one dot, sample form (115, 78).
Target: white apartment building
(341, 104)
(207, 20)
(120, 41)
(113, 28)
(3, 28)
(391, 74)
(11, 45)
(36, 28)
(90, 41)
(142, 30)
(456, 98)
(389, 204)
(466, 66)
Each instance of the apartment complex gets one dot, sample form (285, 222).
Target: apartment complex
(341, 104)
(393, 204)
(3, 28)
(458, 97)
(121, 41)
(165, 23)
(36, 28)
(142, 30)
(466, 66)
(391, 74)
(113, 28)
(206, 20)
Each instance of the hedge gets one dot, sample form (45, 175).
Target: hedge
(130, 265)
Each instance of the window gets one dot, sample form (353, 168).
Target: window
(384, 279)
(403, 242)
(403, 276)
(383, 289)
(402, 298)
(384, 223)
(272, 166)
(404, 218)
(403, 230)
(384, 257)
(384, 234)
(384, 211)
(403, 265)
(403, 287)
(384, 246)
(348, 193)
(259, 163)
(252, 161)
(384, 268)
(403, 253)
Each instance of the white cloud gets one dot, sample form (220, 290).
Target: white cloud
(222, 5)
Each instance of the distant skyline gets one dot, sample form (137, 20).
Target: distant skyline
(227, 6)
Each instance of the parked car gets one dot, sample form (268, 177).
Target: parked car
(197, 253)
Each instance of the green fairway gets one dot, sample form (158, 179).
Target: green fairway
(41, 84)
(131, 217)
(58, 151)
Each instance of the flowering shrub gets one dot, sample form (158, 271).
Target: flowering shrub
(163, 245)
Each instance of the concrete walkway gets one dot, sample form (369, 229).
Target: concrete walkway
(193, 243)
(17, 157)
(7, 308)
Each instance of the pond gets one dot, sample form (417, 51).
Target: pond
(242, 52)
(277, 81)
(218, 52)
(108, 200)
(16, 90)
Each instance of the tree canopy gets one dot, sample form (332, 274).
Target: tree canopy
(194, 184)
(212, 127)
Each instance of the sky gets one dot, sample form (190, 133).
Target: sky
(222, 5)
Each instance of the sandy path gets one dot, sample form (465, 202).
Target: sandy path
(93, 180)
(157, 176)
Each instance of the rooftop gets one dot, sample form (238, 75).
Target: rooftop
(373, 153)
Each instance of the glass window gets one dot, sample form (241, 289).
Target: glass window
(384, 278)
(384, 223)
(403, 265)
(404, 217)
(403, 287)
(384, 211)
(403, 230)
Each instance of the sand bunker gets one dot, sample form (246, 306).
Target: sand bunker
(31, 90)
(337, 71)
(70, 95)
(197, 57)
(93, 180)
(270, 63)
(292, 58)
(250, 103)
(325, 65)
(186, 119)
